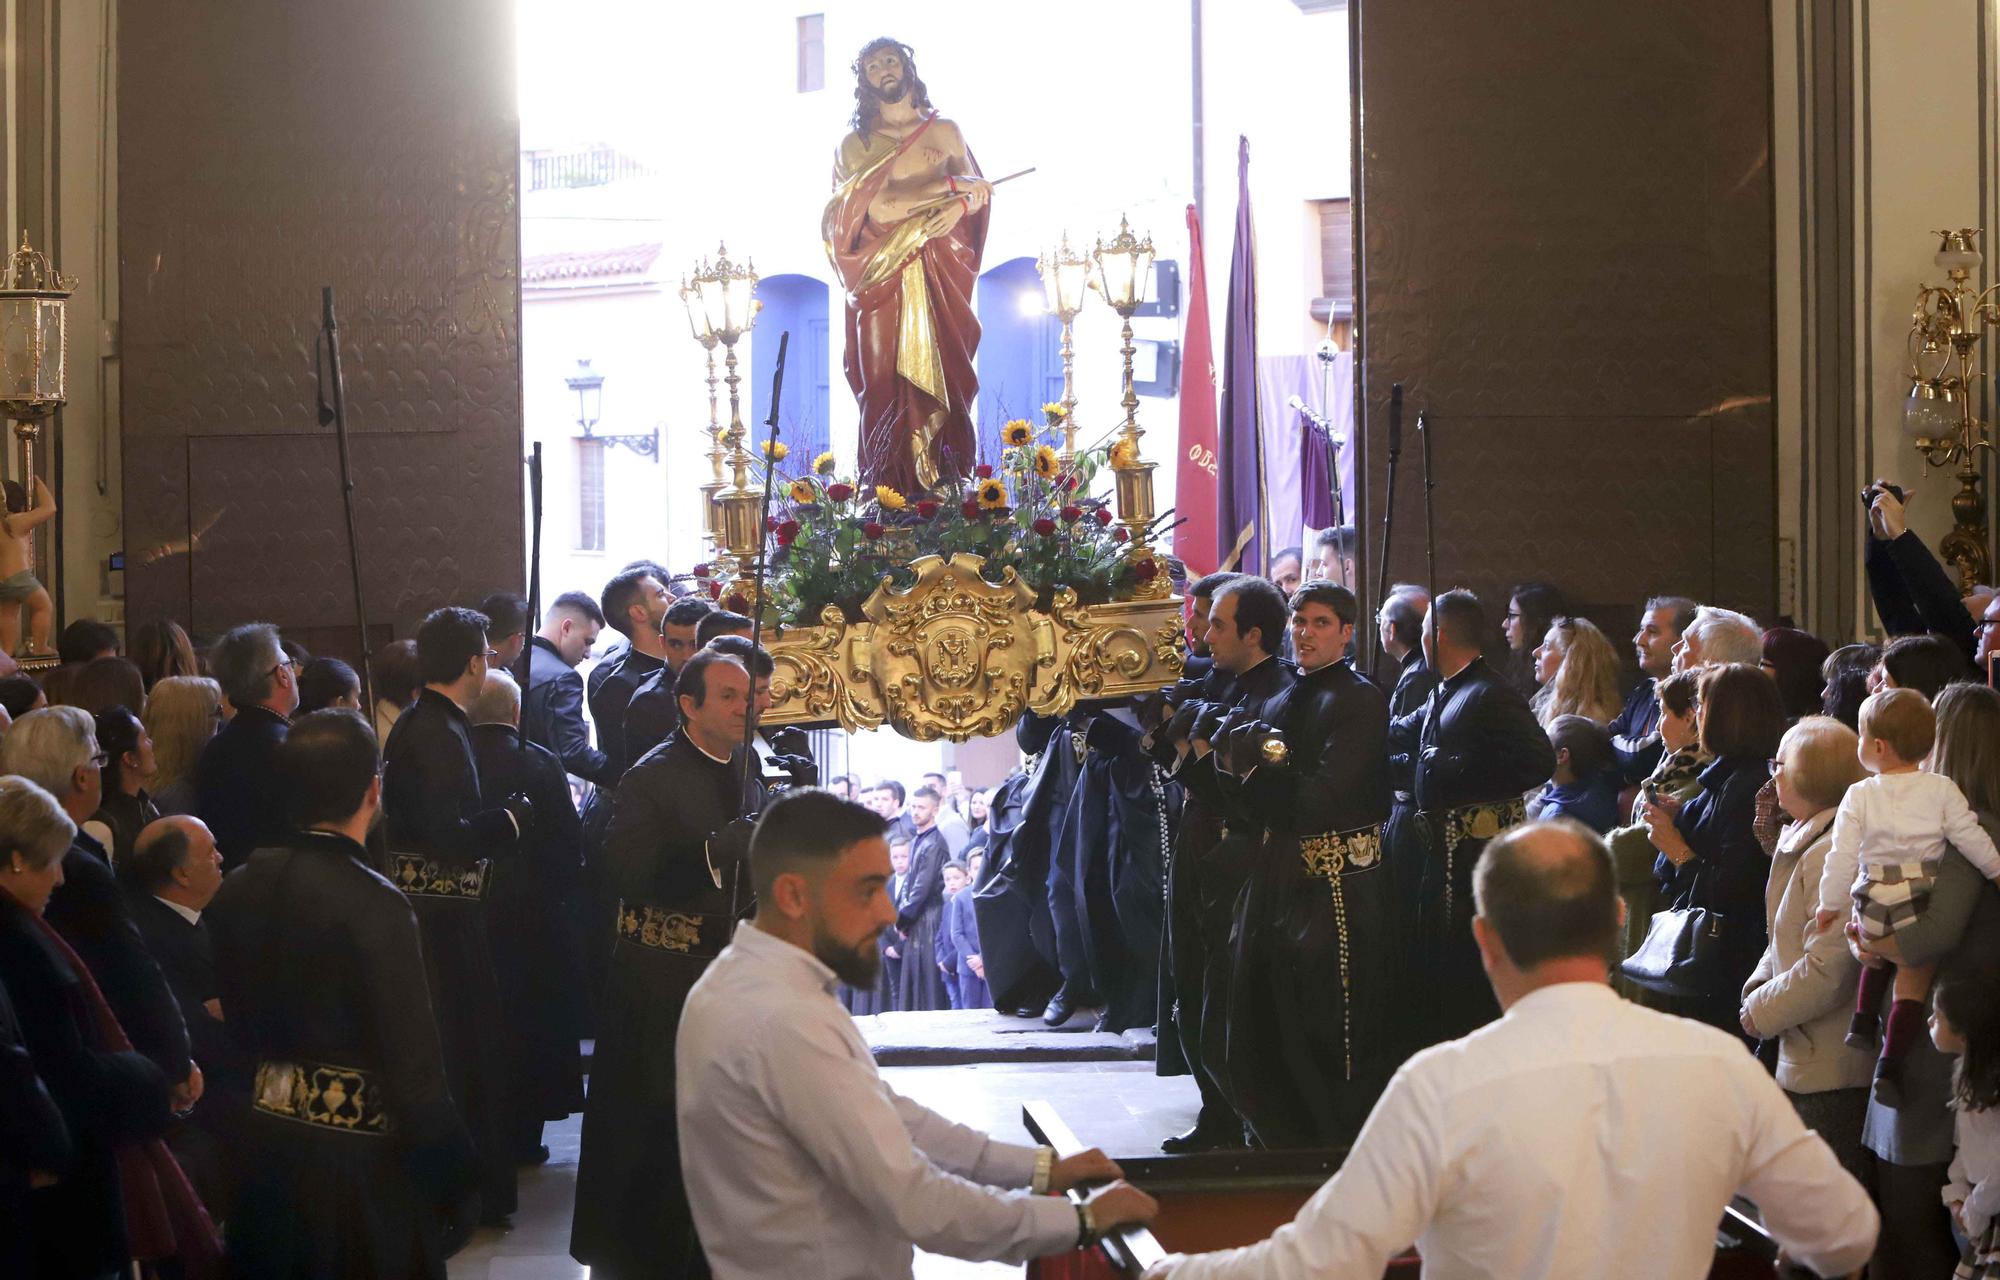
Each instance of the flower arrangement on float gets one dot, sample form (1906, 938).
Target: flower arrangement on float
(833, 540)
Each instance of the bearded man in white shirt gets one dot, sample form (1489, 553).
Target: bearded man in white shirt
(799, 1160)
(1579, 1135)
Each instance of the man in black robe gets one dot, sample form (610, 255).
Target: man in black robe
(1315, 952)
(535, 962)
(1111, 856)
(635, 605)
(920, 909)
(1474, 750)
(1400, 627)
(1023, 956)
(1246, 624)
(653, 709)
(552, 702)
(357, 1163)
(443, 841)
(679, 827)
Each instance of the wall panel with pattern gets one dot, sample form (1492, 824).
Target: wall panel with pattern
(1566, 256)
(266, 150)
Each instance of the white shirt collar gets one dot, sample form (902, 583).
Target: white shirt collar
(704, 750)
(1562, 995)
(768, 949)
(188, 914)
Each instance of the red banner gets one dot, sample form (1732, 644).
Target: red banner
(1194, 477)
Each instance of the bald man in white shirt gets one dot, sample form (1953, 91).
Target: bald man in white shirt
(799, 1160)
(1580, 1135)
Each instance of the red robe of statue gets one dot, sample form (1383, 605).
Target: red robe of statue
(911, 331)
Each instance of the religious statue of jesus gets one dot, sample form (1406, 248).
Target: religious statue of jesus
(905, 229)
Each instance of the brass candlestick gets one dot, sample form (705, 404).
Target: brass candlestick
(1945, 327)
(1123, 268)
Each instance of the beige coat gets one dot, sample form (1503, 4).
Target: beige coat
(1802, 991)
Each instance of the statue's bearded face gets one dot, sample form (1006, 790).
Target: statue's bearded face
(886, 76)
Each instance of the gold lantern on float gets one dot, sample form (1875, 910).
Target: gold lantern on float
(711, 489)
(1124, 266)
(1066, 278)
(726, 296)
(1945, 328)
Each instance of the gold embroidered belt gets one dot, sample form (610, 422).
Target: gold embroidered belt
(1482, 821)
(317, 1094)
(680, 932)
(1474, 822)
(421, 877)
(1332, 855)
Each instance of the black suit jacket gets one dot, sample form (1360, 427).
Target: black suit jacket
(552, 714)
(1336, 724)
(238, 791)
(187, 960)
(89, 910)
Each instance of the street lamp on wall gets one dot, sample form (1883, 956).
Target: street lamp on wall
(588, 385)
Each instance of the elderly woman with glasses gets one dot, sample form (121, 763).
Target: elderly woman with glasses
(74, 1092)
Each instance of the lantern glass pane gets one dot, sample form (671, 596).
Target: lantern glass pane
(32, 350)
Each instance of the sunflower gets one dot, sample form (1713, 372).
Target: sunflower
(992, 495)
(888, 499)
(802, 491)
(1124, 454)
(776, 450)
(1055, 413)
(1016, 433)
(823, 465)
(1046, 462)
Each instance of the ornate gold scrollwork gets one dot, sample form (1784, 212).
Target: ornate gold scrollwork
(954, 656)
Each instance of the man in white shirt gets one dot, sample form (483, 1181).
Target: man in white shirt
(1579, 1135)
(799, 1159)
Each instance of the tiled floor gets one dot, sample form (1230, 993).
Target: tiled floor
(1120, 1106)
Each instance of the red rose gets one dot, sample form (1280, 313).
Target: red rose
(971, 509)
(1121, 534)
(926, 509)
(737, 604)
(984, 471)
(1044, 526)
(701, 571)
(840, 492)
(715, 591)
(871, 530)
(1146, 570)
(1069, 483)
(1072, 513)
(1102, 515)
(786, 531)
(770, 524)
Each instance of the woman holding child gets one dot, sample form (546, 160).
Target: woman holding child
(1802, 991)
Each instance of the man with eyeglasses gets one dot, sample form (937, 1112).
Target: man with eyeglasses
(1987, 637)
(443, 841)
(239, 791)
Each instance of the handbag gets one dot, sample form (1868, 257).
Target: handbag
(1684, 951)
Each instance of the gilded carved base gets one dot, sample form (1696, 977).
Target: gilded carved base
(957, 657)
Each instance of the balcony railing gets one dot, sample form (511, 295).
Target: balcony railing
(594, 167)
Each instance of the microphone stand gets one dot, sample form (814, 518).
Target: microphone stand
(746, 802)
(1389, 498)
(336, 413)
